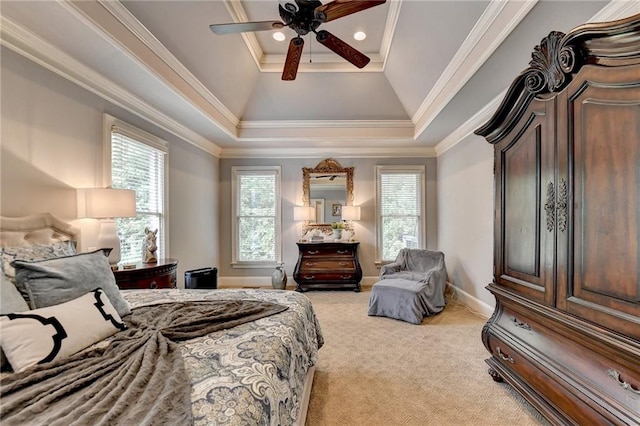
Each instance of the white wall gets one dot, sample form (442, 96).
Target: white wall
(364, 193)
(465, 219)
(51, 143)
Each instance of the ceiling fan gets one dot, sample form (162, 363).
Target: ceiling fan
(305, 16)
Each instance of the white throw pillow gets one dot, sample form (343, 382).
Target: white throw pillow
(47, 334)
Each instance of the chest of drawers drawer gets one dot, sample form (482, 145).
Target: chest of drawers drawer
(328, 264)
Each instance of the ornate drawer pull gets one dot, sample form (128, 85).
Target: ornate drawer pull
(310, 263)
(313, 252)
(504, 356)
(312, 277)
(550, 207)
(521, 324)
(343, 263)
(562, 205)
(616, 376)
(343, 251)
(346, 277)
(153, 285)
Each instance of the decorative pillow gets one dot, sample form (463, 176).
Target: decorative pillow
(10, 301)
(10, 298)
(54, 281)
(44, 335)
(34, 252)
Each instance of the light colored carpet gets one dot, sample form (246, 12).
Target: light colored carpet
(381, 371)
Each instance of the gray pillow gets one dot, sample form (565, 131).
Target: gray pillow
(54, 281)
(10, 302)
(33, 252)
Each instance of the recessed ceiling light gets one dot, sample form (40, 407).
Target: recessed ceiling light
(278, 36)
(360, 36)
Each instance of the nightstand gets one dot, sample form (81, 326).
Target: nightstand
(161, 274)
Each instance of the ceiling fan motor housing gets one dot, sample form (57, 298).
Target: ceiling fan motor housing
(302, 21)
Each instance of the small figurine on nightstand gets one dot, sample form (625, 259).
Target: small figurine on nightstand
(149, 246)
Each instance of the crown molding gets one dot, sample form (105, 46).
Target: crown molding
(99, 19)
(325, 64)
(389, 30)
(322, 62)
(386, 152)
(318, 130)
(318, 124)
(498, 20)
(29, 45)
(126, 18)
(238, 14)
(468, 127)
(616, 9)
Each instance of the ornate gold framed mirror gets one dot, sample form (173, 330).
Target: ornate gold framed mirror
(327, 187)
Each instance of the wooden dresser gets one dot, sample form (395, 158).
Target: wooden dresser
(327, 265)
(148, 275)
(566, 328)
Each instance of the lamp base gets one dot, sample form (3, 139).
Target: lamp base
(108, 238)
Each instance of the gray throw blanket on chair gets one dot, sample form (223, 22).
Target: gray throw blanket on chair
(417, 265)
(138, 379)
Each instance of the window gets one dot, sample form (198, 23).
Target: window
(400, 193)
(256, 218)
(138, 160)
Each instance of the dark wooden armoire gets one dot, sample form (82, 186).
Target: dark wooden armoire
(566, 328)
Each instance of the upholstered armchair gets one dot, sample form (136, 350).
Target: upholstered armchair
(411, 287)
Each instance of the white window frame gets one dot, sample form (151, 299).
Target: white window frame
(111, 124)
(402, 169)
(237, 171)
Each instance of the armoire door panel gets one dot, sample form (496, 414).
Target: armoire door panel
(603, 271)
(524, 253)
(521, 193)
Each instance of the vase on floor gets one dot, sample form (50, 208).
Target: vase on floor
(279, 278)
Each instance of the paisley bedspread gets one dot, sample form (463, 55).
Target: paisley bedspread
(253, 373)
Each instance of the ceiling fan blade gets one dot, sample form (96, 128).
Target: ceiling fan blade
(243, 27)
(339, 8)
(294, 54)
(343, 49)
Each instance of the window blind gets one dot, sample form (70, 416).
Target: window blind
(139, 166)
(257, 216)
(400, 211)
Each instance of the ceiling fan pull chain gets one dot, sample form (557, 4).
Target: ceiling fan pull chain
(310, 48)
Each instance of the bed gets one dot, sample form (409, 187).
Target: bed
(257, 372)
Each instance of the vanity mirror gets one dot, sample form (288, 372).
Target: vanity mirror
(327, 187)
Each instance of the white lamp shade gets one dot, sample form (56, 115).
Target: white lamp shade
(304, 213)
(350, 213)
(106, 203)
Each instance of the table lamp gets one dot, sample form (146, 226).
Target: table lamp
(303, 214)
(351, 213)
(106, 204)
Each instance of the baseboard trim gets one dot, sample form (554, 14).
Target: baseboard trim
(472, 302)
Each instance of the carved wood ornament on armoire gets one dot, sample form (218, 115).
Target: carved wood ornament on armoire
(565, 332)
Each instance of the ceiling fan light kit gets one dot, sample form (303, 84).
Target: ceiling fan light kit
(305, 16)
